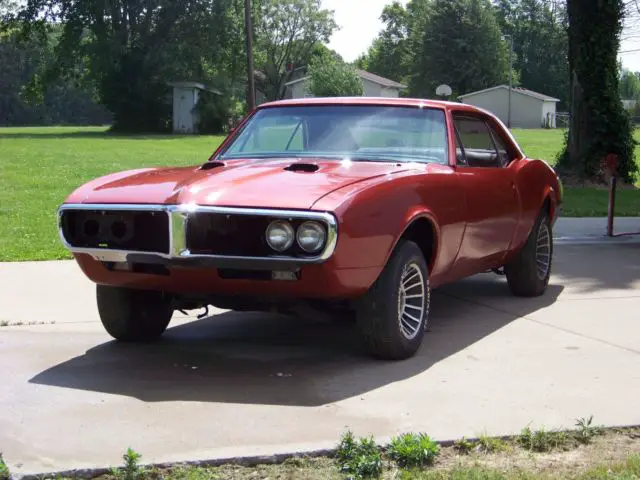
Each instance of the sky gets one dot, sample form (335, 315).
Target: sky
(359, 22)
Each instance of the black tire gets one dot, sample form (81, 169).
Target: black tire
(377, 315)
(132, 315)
(524, 277)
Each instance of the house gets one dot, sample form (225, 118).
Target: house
(529, 109)
(185, 99)
(374, 86)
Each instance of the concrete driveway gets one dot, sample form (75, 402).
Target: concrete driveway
(238, 384)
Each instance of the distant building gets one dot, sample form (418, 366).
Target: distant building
(374, 86)
(185, 100)
(529, 109)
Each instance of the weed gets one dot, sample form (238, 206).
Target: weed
(586, 431)
(543, 440)
(4, 471)
(464, 446)
(487, 444)
(359, 459)
(413, 450)
(132, 469)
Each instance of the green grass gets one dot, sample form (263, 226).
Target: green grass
(40, 166)
(542, 144)
(579, 202)
(626, 470)
(4, 471)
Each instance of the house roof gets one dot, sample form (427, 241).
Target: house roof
(385, 82)
(197, 85)
(372, 77)
(523, 91)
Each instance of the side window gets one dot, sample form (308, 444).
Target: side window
(477, 142)
(503, 153)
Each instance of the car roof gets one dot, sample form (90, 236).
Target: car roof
(385, 101)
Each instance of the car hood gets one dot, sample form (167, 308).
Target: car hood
(240, 183)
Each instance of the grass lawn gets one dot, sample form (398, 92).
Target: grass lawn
(39, 167)
(542, 455)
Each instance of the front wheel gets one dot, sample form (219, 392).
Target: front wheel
(529, 272)
(393, 314)
(133, 315)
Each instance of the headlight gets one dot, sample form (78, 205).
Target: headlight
(280, 235)
(311, 236)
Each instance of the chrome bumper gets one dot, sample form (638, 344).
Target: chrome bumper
(179, 253)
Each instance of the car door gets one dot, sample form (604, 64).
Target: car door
(492, 200)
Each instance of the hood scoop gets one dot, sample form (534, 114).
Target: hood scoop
(302, 167)
(211, 165)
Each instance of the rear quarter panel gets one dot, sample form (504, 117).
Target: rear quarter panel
(536, 181)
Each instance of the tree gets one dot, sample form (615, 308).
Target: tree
(59, 103)
(598, 125)
(630, 85)
(395, 51)
(462, 47)
(129, 50)
(334, 79)
(540, 42)
(287, 31)
(388, 55)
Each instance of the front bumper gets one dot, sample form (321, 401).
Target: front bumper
(179, 271)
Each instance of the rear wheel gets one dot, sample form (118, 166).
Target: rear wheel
(133, 315)
(529, 272)
(393, 314)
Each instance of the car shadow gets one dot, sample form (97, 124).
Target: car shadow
(277, 360)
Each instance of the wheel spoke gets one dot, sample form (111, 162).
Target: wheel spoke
(407, 279)
(408, 315)
(414, 307)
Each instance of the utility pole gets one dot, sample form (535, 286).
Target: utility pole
(510, 77)
(248, 28)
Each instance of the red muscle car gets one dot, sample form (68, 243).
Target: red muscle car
(362, 204)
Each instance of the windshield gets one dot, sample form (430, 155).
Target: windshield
(367, 132)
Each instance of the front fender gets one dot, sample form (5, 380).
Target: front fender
(373, 218)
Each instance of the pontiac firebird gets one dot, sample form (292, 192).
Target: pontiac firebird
(361, 204)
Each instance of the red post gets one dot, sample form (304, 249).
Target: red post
(611, 162)
(612, 205)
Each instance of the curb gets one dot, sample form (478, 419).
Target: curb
(255, 460)
(597, 240)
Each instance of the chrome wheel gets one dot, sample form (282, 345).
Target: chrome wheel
(411, 301)
(543, 251)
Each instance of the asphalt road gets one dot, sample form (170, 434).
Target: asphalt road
(247, 384)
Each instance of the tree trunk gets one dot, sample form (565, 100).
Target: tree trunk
(599, 124)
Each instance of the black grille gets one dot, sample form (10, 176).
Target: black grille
(235, 235)
(140, 231)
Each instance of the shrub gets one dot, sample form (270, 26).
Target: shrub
(542, 440)
(359, 459)
(413, 450)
